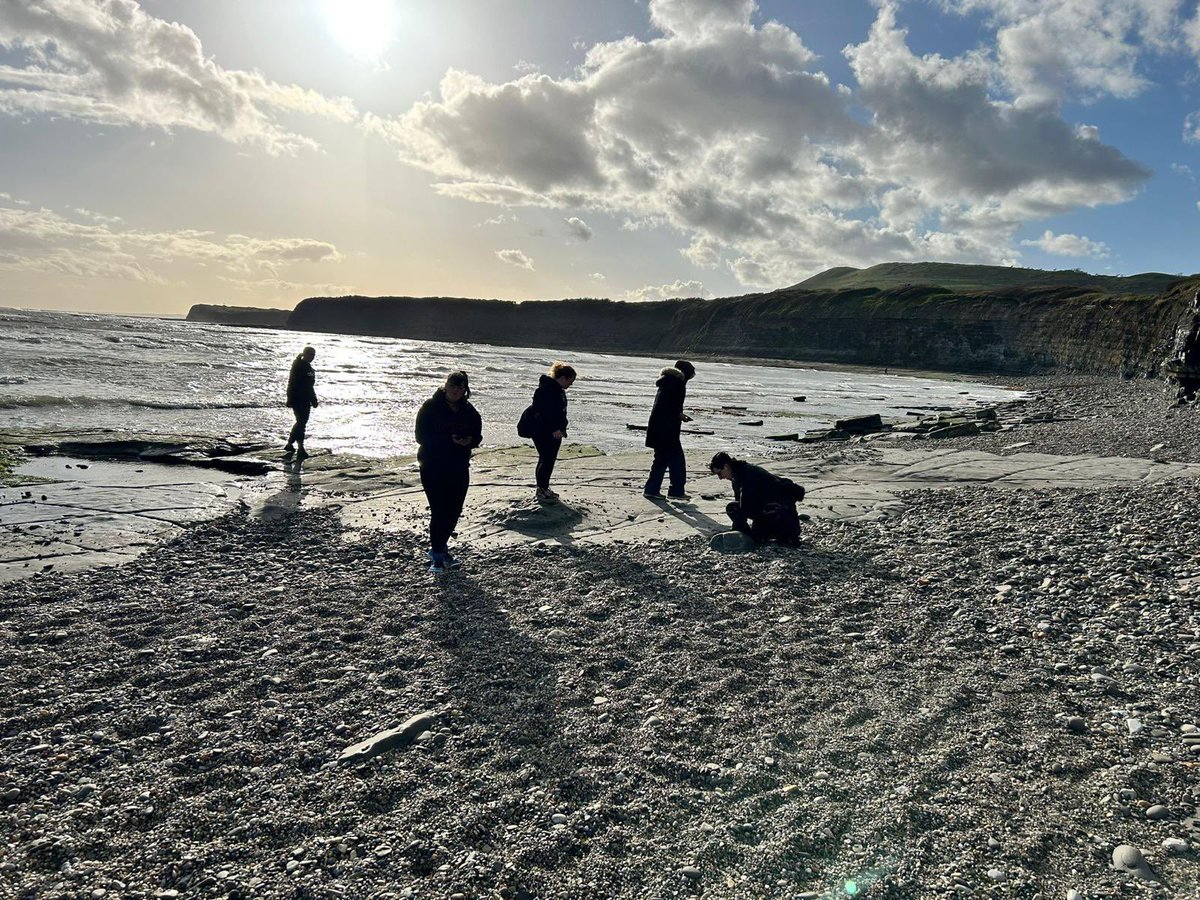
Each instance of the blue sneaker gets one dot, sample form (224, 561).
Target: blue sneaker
(437, 563)
(450, 562)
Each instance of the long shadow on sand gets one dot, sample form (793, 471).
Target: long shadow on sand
(692, 517)
(501, 680)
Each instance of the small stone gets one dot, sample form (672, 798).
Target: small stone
(997, 875)
(1158, 812)
(731, 542)
(599, 701)
(558, 819)
(690, 872)
(1135, 726)
(1175, 845)
(1076, 724)
(1127, 858)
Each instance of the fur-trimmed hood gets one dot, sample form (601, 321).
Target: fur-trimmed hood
(670, 372)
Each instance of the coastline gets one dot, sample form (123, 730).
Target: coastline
(977, 674)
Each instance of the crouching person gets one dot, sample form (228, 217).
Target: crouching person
(764, 505)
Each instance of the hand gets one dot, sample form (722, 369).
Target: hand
(463, 441)
(315, 404)
(560, 434)
(684, 417)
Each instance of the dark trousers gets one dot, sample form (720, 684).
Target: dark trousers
(446, 490)
(547, 448)
(667, 458)
(297, 435)
(778, 522)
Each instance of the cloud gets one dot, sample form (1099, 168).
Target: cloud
(677, 289)
(97, 245)
(728, 133)
(108, 61)
(1051, 49)
(578, 229)
(597, 276)
(515, 258)
(1068, 245)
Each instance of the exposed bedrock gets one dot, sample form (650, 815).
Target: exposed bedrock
(1097, 326)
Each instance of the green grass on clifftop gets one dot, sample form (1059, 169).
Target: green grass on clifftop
(956, 277)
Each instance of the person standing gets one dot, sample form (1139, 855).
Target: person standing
(662, 432)
(301, 399)
(764, 505)
(448, 428)
(549, 423)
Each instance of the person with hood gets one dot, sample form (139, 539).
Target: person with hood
(448, 428)
(301, 399)
(662, 432)
(548, 423)
(764, 505)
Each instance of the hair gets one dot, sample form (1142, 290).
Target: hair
(688, 370)
(309, 351)
(720, 461)
(560, 368)
(459, 379)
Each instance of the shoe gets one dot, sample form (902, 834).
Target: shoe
(551, 493)
(682, 496)
(450, 562)
(302, 454)
(545, 495)
(437, 563)
(653, 495)
(289, 451)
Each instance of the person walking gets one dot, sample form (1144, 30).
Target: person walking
(662, 432)
(548, 425)
(764, 505)
(448, 428)
(301, 399)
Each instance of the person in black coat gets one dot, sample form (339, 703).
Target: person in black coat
(549, 423)
(764, 505)
(301, 398)
(448, 428)
(662, 432)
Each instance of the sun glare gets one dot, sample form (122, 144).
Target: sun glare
(363, 27)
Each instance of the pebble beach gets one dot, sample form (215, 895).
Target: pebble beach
(990, 691)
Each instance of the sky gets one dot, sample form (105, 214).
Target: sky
(161, 153)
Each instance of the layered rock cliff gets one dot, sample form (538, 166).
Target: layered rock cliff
(1023, 328)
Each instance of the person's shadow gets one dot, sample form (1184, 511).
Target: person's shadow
(692, 517)
(548, 521)
(502, 680)
(283, 505)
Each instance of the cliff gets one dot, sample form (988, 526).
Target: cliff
(1022, 327)
(244, 316)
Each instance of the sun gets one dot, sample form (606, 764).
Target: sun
(363, 27)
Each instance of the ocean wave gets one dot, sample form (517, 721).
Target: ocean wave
(50, 401)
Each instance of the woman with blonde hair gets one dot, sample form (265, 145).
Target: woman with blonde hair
(547, 423)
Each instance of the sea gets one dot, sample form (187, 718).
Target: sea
(165, 376)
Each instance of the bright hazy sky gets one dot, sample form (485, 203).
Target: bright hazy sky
(255, 152)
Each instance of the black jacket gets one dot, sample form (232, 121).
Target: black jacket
(302, 381)
(438, 425)
(756, 489)
(663, 430)
(549, 407)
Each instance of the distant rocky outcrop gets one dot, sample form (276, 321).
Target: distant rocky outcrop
(1066, 322)
(244, 316)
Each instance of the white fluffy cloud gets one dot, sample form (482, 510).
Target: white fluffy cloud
(515, 258)
(672, 291)
(729, 133)
(578, 229)
(92, 244)
(1069, 245)
(111, 62)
